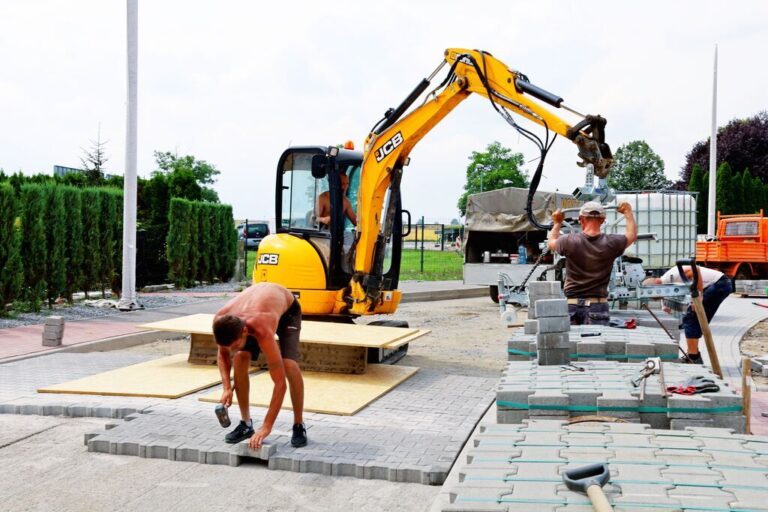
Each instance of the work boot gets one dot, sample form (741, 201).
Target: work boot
(299, 437)
(242, 431)
(692, 359)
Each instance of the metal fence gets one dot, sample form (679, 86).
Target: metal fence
(434, 237)
(432, 252)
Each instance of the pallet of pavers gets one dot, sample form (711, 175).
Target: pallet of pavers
(520, 468)
(590, 342)
(604, 388)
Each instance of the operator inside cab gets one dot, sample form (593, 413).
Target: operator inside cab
(589, 255)
(323, 206)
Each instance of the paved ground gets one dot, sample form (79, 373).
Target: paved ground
(135, 483)
(46, 468)
(734, 318)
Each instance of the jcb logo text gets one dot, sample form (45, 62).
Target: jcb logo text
(268, 259)
(389, 146)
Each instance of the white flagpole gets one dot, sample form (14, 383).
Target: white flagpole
(711, 227)
(128, 300)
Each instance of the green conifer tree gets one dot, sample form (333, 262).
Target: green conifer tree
(33, 243)
(11, 275)
(92, 260)
(73, 246)
(55, 235)
(724, 189)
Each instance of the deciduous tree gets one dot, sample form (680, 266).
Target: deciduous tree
(496, 167)
(637, 167)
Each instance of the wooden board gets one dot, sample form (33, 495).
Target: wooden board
(331, 393)
(329, 333)
(167, 377)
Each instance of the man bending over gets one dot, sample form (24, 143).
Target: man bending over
(243, 328)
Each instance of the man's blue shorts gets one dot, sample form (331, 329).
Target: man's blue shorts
(713, 296)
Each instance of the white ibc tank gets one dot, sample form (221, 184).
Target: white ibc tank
(671, 216)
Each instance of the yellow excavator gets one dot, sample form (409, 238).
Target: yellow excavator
(340, 270)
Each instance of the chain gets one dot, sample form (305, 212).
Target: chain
(536, 264)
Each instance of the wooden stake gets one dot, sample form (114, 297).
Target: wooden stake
(746, 391)
(698, 306)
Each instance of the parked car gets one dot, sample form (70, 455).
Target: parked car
(257, 230)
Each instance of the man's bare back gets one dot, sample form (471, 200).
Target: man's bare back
(258, 299)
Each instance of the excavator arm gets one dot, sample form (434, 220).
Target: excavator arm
(390, 142)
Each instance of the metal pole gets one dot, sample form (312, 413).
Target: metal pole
(129, 300)
(711, 227)
(245, 249)
(422, 244)
(442, 237)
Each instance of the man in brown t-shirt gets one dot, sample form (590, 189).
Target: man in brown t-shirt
(589, 260)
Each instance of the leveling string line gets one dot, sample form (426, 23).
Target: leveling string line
(709, 465)
(620, 481)
(670, 357)
(614, 503)
(617, 408)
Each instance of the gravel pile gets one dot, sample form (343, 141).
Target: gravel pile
(82, 311)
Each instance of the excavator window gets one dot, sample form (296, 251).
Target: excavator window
(299, 194)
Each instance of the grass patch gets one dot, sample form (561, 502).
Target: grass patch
(438, 266)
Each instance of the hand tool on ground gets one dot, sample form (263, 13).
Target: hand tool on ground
(590, 334)
(661, 379)
(572, 367)
(761, 305)
(590, 480)
(698, 307)
(650, 366)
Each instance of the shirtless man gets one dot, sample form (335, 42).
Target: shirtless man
(323, 206)
(245, 326)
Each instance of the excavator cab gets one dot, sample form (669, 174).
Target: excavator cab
(312, 251)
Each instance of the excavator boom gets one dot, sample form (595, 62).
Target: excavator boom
(390, 142)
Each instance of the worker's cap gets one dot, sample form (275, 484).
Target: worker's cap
(592, 209)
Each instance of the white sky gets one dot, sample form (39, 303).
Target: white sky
(235, 83)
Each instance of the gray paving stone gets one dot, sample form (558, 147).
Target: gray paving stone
(554, 324)
(548, 340)
(550, 308)
(530, 326)
(553, 356)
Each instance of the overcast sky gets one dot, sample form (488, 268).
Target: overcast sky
(235, 83)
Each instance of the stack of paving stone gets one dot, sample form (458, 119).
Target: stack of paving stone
(552, 342)
(53, 332)
(594, 342)
(528, 390)
(519, 468)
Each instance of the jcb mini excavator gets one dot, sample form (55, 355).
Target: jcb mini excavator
(341, 271)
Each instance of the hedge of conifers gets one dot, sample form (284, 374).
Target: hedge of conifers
(57, 240)
(201, 243)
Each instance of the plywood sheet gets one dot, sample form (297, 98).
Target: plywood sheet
(330, 333)
(167, 377)
(331, 393)
(402, 341)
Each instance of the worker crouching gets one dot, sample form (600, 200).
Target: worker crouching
(589, 260)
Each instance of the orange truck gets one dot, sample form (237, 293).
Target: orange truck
(740, 249)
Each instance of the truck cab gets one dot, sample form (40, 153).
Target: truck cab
(740, 249)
